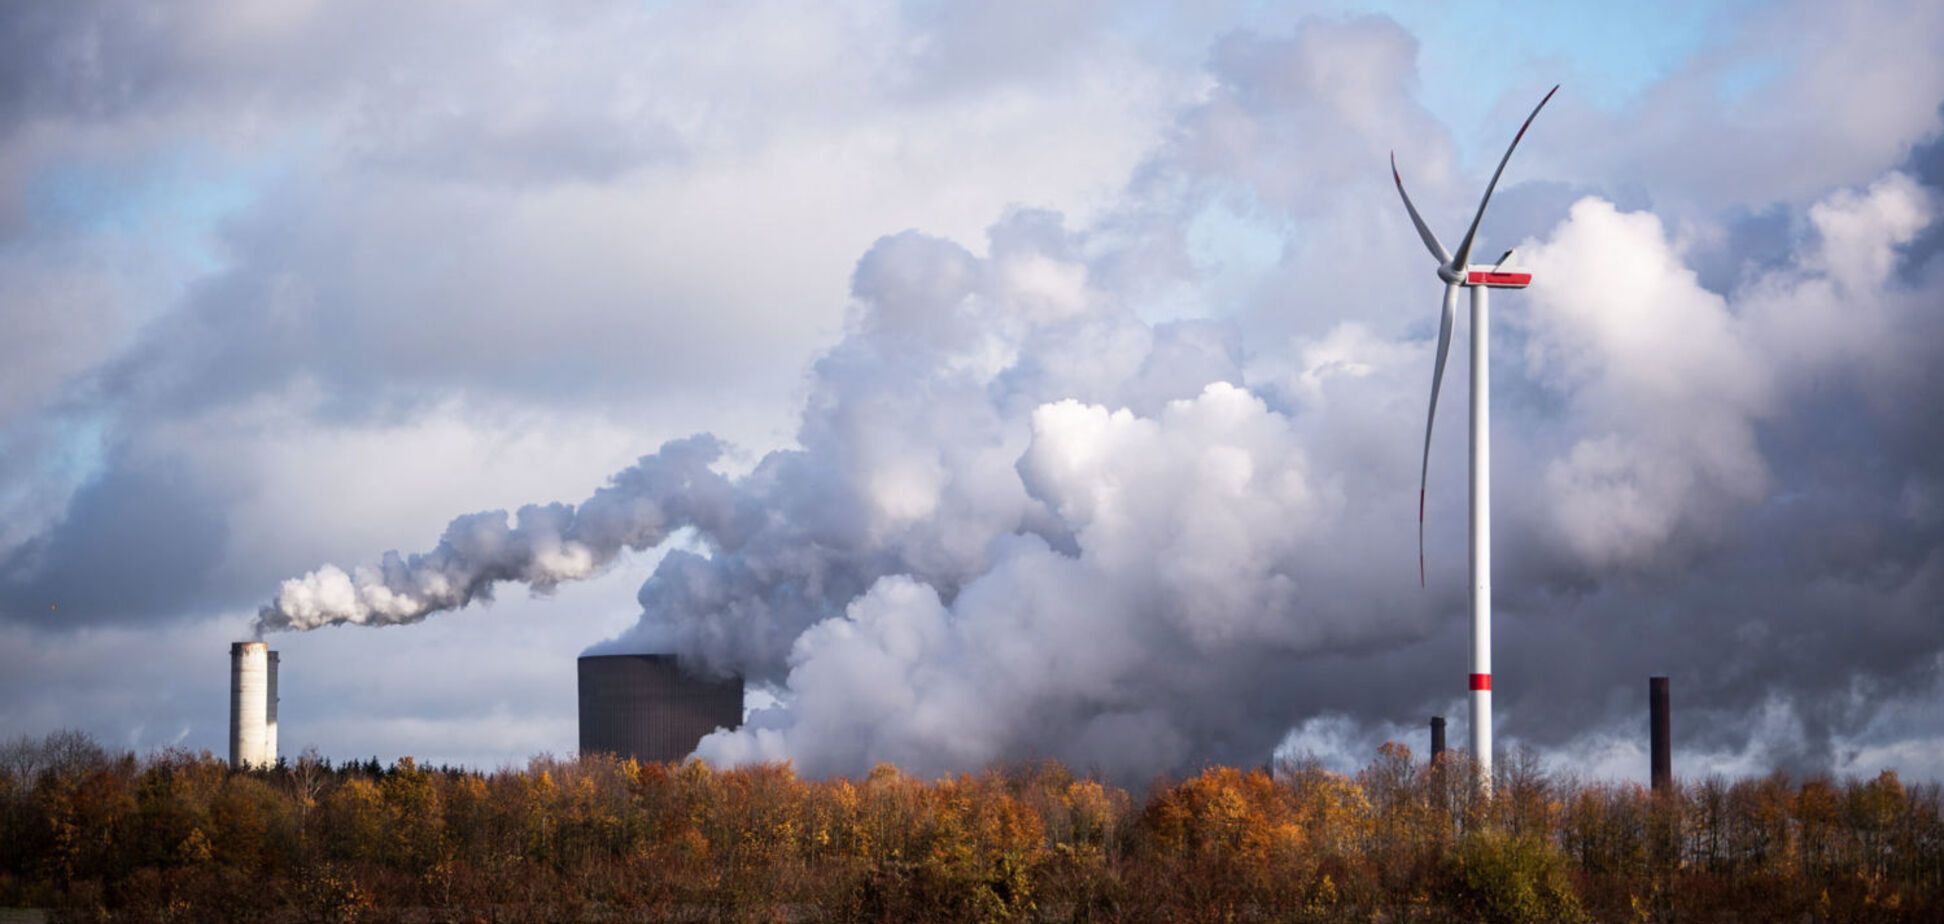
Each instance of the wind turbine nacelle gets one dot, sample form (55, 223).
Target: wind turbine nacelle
(1496, 278)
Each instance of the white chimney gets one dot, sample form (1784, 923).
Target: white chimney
(253, 705)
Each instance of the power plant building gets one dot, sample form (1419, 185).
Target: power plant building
(646, 707)
(253, 705)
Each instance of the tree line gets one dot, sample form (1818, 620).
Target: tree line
(98, 834)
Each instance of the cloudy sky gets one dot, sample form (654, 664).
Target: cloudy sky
(985, 381)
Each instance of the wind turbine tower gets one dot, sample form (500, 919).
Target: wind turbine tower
(1458, 272)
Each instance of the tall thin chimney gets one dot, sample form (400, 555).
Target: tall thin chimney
(1437, 738)
(253, 705)
(1663, 750)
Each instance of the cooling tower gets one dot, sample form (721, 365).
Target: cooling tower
(645, 707)
(253, 705)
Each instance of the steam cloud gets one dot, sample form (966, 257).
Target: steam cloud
(546, 545)
(1023, 522)
(1026, 513)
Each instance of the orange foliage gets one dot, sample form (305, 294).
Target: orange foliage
(183, 837)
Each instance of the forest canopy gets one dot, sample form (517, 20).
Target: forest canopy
(182, 836)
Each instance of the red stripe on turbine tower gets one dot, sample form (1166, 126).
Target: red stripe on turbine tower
(1481, 681)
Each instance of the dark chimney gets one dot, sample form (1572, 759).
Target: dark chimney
(1663, 755)
(1437, 737)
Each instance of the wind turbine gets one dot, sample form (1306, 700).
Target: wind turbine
(1458, 272)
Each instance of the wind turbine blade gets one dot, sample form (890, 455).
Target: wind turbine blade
(1431, 416)
(1463, 257)
(1430, 240)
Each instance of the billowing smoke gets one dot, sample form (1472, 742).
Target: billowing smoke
(1023, 522)
(1025, 516)
(545, 546)
(1134, 487)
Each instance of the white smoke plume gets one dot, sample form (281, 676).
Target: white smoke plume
(1012, 498)
(545, 546)
(1023, 522)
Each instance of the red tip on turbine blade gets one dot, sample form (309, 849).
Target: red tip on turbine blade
(1535, 114)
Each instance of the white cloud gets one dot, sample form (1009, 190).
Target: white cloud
(1664, 386)
(484, 257)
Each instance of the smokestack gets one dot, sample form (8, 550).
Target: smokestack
(253, 705)
(1663, 756)
(1437, 738)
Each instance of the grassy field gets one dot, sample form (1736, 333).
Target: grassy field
(93, 834)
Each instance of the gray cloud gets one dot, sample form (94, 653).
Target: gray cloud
(1020, 514)
(959, 566)
(606, 210)
(145, 523)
